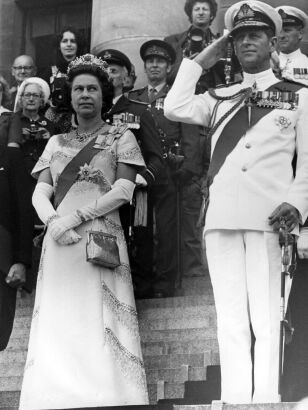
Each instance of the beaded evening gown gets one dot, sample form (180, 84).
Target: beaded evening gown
(84, 348)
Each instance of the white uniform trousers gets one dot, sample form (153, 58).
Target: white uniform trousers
(245, 270)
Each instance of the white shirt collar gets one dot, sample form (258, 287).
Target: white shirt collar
(158, 87)
(263, 79)
(290, 56)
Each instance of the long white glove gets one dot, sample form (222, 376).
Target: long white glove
(46, 212)
(41, 201)
(121, 192)
(302, 244)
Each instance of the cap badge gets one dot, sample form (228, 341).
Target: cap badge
(282, 13)
(245, 12)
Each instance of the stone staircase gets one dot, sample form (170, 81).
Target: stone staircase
(178, 341)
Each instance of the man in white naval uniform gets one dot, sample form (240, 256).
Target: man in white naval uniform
(252, 148)
(293, 63)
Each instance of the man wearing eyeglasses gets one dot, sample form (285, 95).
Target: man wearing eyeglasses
(23, 67)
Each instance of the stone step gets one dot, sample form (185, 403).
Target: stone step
(177, 334)
(11, 383)
(10, 357)
(177, 312)
(11, 369)
(256, 406)
(162, 390)
(179, 375)
(177, 360)
(9, 399)
(176, 302)
(184, 322)
(199, 344)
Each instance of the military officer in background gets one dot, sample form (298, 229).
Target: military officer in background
(181, 150)
(293, 63)
(140, 121)
(256, 126)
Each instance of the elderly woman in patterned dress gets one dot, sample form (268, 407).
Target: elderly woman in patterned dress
(84, 348)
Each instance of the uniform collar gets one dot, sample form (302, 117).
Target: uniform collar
(292, 55)
(263, 80)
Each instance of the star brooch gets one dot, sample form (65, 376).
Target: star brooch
(282, 122)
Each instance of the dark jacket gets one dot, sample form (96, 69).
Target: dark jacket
(5, 119)
(146, 135)
(32, 136)
(16, 214)
(186, 134)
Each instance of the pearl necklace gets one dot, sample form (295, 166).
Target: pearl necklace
(83, 136)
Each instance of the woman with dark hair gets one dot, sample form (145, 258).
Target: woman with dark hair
(69, 46)
(5, 114)
(84, 348)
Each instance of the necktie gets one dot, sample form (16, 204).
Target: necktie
(152, 94)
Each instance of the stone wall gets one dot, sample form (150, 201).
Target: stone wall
(11, 35)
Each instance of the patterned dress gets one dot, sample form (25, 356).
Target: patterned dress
(84, 348)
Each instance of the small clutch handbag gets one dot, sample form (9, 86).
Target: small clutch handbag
(102, 249)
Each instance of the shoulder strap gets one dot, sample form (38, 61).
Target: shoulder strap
(69, 174)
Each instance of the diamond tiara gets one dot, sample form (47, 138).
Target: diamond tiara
(88, 59)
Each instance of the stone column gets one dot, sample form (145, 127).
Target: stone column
(126, 24)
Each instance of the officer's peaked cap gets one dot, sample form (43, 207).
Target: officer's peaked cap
(112, 56)
(292, 16)
(157, 48)
(252, 14)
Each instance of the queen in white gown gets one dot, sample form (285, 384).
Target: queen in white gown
(84, 348)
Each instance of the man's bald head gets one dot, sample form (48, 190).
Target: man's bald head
(23, 67)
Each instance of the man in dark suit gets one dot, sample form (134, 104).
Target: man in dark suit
(23, 67)
(180, 144)
(16, 226)
(201, 14)
(140, 121)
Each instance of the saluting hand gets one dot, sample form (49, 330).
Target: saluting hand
(288, 212)
(211, 54)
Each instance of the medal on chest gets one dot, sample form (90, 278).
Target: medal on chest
(132, 121)
(300, 73)
(281, 100)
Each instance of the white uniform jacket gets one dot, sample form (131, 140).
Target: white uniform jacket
(257, 175)
(291, 63)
